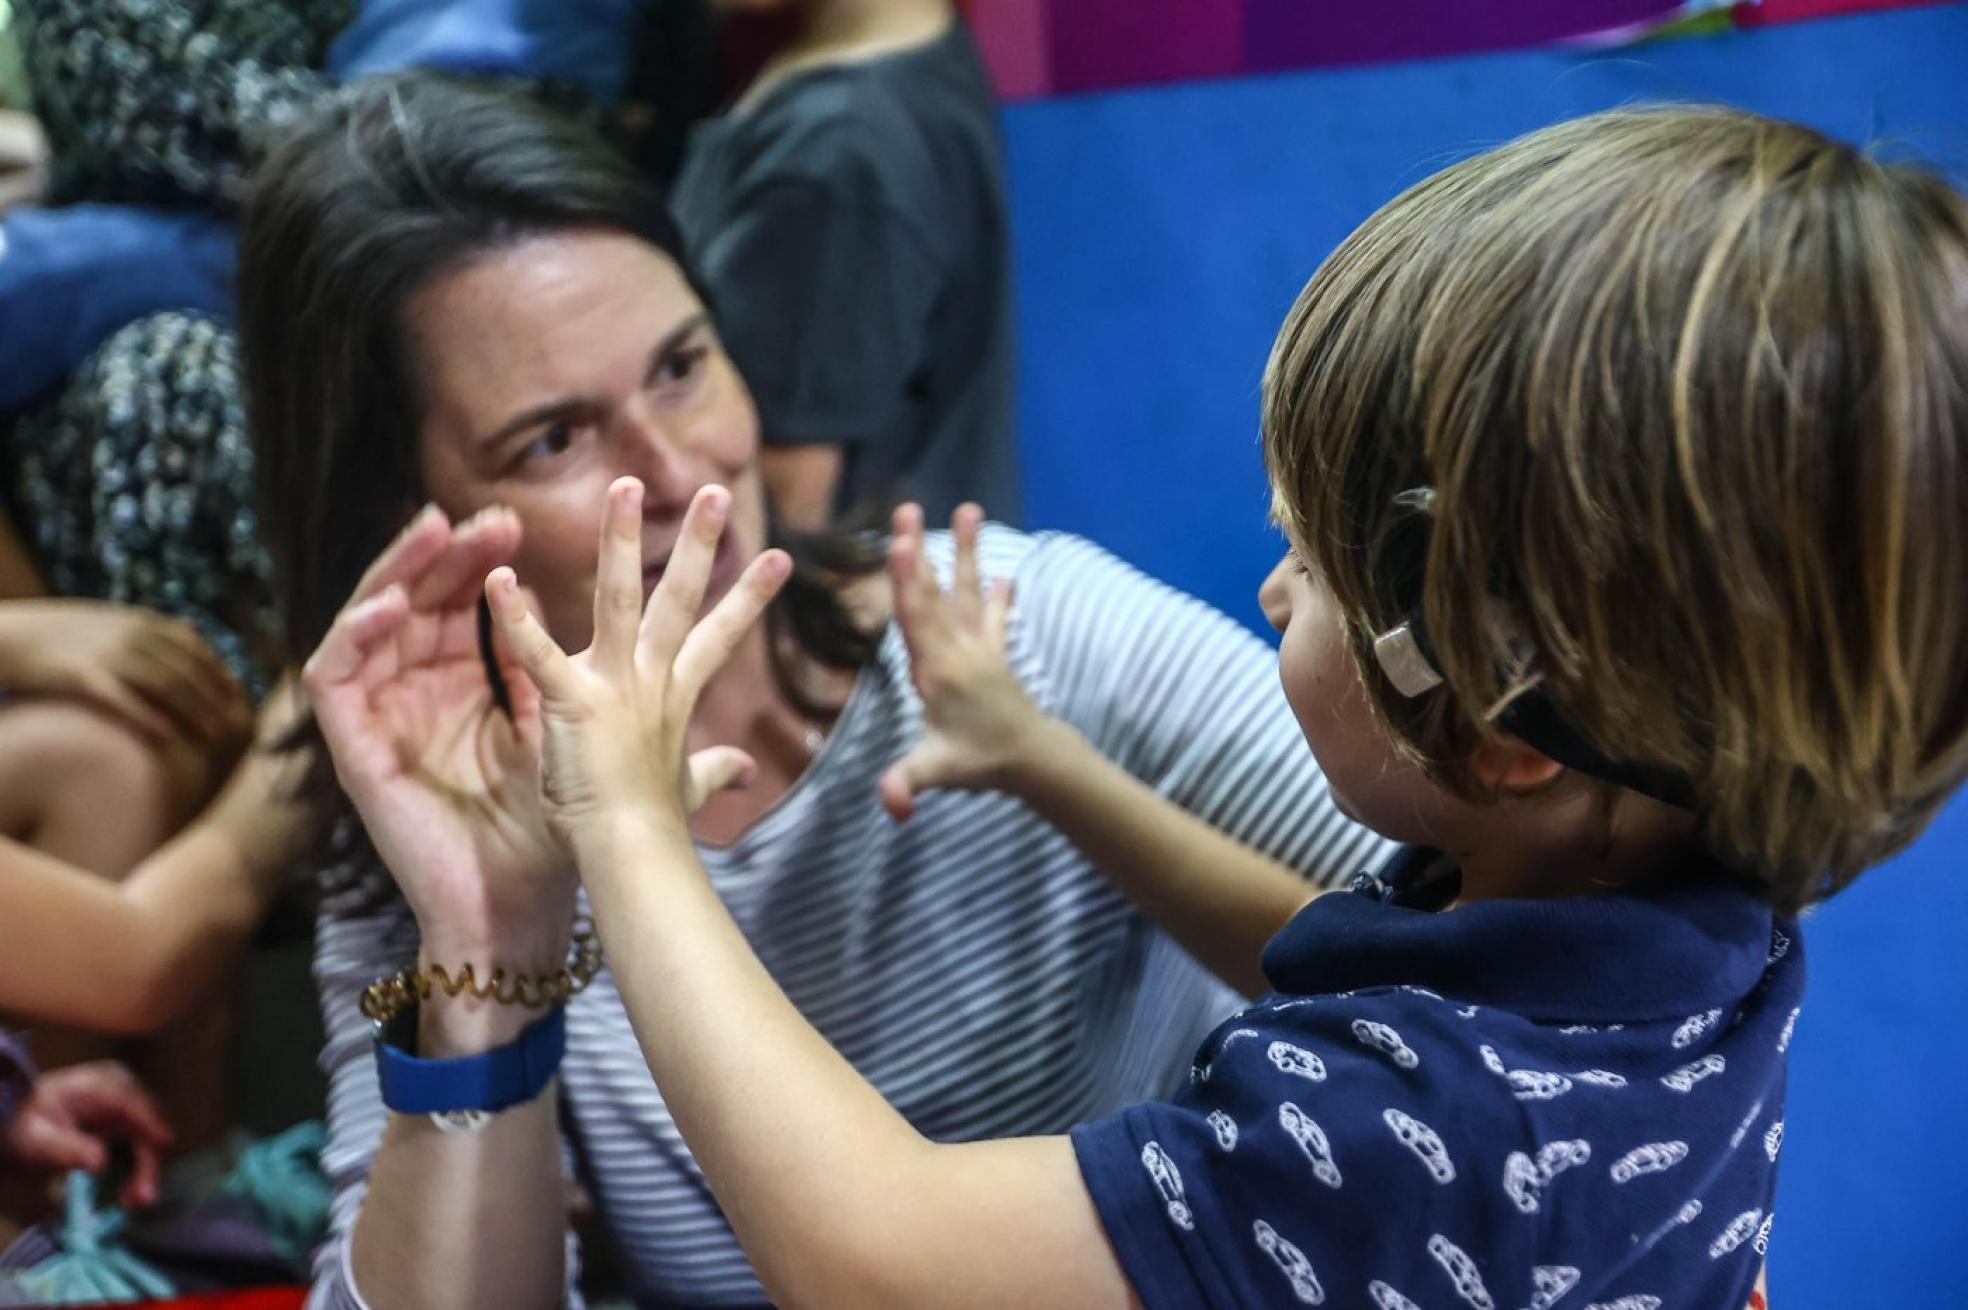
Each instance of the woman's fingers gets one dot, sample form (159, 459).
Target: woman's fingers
(679, 597)
(716, 769)
(420, 542)
(997, 611)
(710, 642)
(339, 659)
(536, 653)
(618, 579)
(454, 577)
(967, 590)
(918, 597)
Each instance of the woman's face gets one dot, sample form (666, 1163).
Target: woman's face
(553, 367)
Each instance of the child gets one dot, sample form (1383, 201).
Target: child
(1619, 468)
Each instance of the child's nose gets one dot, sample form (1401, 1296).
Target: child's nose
(1274, 596)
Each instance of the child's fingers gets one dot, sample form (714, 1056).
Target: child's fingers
(673, 608)
(54, 1146)
(710, 643)
(536, 653)
(146, 1176)
(618, 580)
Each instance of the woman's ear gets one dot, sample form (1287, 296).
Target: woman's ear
(1506, 764)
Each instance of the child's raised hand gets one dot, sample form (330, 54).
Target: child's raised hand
(616, 714)
(978, 722)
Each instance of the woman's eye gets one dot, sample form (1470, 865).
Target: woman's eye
(556, 440)
(680, 366)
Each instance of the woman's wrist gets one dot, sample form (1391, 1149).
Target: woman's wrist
(450, 1026)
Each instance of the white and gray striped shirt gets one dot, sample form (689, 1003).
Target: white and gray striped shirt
(970, 963)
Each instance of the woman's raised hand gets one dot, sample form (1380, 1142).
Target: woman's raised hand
(978, 722)
(446, 782)
(615, 716)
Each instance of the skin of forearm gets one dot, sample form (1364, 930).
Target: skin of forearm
(469, 1219)
(125, 958)
(1221, 900)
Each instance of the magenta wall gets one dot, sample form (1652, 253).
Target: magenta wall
(1055, 47)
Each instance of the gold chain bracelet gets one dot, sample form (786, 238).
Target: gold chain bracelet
(386, 998)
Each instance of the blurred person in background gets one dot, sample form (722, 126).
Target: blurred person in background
(847, 218)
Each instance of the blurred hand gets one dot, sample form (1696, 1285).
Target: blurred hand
(153, 673)
(72, 1118)
(978, 721)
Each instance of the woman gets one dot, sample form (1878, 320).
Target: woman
(448, 297)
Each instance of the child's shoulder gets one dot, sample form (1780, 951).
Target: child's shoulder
(1399, 1135)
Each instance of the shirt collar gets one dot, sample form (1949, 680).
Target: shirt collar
(1630, 957)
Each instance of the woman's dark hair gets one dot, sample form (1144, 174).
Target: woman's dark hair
(394, 183)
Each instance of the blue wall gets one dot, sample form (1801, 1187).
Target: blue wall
(1161, 236)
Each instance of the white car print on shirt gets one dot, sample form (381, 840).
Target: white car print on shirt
(1773, 1140)
(1168, 1181)
(1225, 1128)
(1691, 1029)
(1386, 1298)
(1549, 1282)
(1685, 1078)
(1653, 1158)
(1462, 1271)
(1633, 1301)
(1424, 1141)
(1735, 1234)
(1380, 1037)
(1524, 1179)
(1296, 1060)
(1311, 1139)
(1525, 1084)
(1291, 1262)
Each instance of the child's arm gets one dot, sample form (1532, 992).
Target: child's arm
(836, 1198)
(126, 957)
(1216, 896)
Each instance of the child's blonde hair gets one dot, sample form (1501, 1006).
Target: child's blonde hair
(1690, 388)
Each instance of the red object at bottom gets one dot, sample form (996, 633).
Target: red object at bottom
(264, 1298)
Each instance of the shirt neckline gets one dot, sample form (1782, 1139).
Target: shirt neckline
(1624, 957)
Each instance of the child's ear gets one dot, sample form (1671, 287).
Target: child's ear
(1506, 764)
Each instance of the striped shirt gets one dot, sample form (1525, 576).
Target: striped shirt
(970, 963)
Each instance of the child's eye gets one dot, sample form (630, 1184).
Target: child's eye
(1296, 565)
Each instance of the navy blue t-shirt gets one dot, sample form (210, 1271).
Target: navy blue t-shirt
(1514, 1104)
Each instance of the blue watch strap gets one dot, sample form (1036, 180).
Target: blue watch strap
(495, 1080)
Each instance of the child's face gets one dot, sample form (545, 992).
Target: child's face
(1371, 781)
